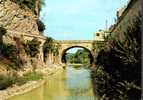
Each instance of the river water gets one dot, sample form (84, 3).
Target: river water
(69, 84)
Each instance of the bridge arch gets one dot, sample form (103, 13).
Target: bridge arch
(63, 53)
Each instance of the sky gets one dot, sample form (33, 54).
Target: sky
(73, 50)
(78, 19)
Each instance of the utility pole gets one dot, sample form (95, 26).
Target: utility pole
(106, 23)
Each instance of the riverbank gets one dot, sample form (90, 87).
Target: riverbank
(29, 86)
(63, 85)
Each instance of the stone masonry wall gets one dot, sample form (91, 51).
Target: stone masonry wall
(127, 19)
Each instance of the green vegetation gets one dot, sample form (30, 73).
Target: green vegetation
(101, 80)
(10, 52)
(97, 46)
(82, 56)
(11, 55)
(69, 58)
(33, 76)
(50, 47)
(8, 80)
(118, 65)
(32, 47)
(56, 49)
(41, 26)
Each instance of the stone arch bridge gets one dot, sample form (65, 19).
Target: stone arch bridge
(68, 44)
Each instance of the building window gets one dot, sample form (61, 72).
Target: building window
(97, 34)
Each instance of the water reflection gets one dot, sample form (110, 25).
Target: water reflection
(69, 84)
(78, 84)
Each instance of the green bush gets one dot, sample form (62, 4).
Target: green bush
(32, 47)
(41, 26)
(7, 80)
(12, 78)
(48, 47)
(121, 60)
(20, 80)
(128, 90)
(10, 52)
(103, 83)
(33, 76)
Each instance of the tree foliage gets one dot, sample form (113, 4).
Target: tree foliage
(10, 52)
(32, 47)
(41, 26)
(48, 47)
(81, 56)
(120, 60)
(55, 50)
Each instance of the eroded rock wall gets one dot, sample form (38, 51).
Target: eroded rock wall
(17, 19)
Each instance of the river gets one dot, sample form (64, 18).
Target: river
(69, 84)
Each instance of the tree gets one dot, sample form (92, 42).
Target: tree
(32, 47)
(121, 60)
(81, 56)
(41, 26)
(48, 47)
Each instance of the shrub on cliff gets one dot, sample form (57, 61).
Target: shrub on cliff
(32, 47)
(41, 26)
(48, 46)
(10, 52)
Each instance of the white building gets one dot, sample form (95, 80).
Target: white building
(100, 35)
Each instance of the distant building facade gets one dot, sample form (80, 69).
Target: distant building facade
(100, 35)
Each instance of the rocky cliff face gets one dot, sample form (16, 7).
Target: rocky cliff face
(17, 19)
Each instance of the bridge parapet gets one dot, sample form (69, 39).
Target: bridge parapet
(74, 41)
